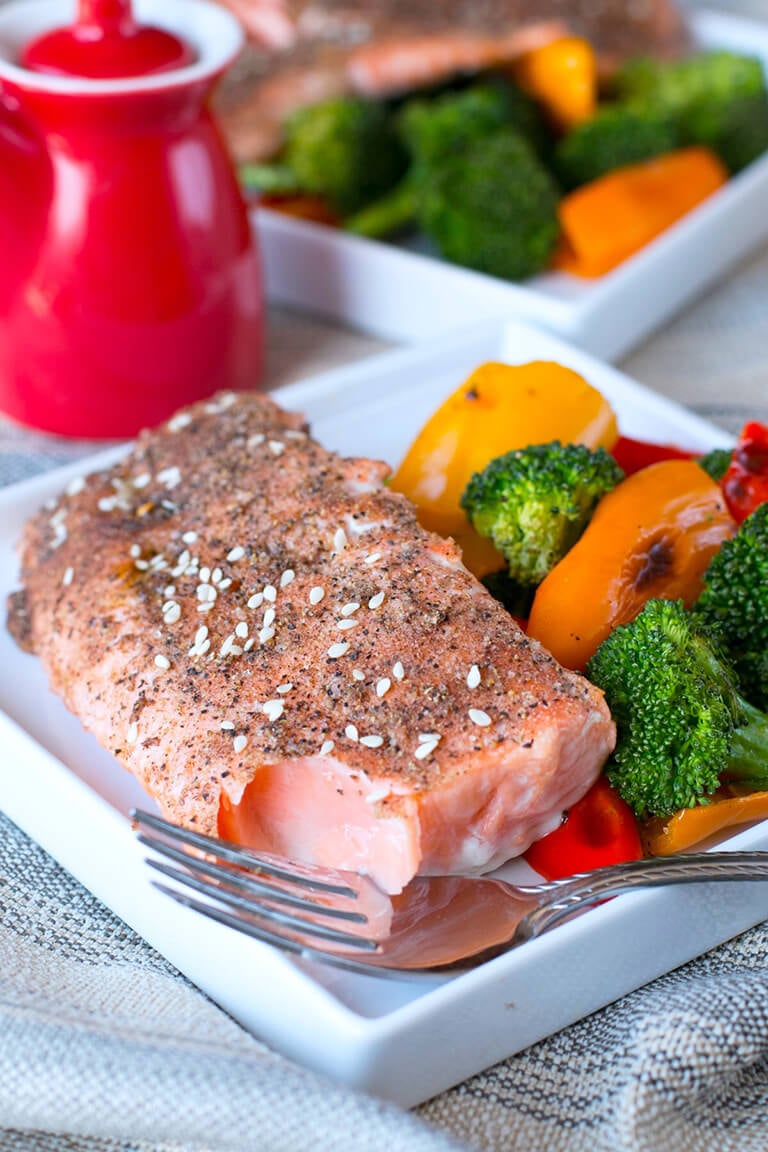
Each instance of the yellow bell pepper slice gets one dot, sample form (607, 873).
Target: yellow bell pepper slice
(562, 77)
(498, 408)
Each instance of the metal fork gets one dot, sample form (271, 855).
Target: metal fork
(441, 923)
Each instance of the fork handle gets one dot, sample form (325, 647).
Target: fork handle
(590, 888)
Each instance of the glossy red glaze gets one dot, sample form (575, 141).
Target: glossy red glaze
(106, 42)
(129, 283)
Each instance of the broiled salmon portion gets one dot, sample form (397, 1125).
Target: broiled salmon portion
(263, 633)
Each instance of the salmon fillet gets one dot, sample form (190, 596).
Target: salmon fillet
(263, 634)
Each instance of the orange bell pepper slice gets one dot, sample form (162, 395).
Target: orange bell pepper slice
(666, 836)
(562, 77)
(498, 408)
(652, 536)
(609, 219)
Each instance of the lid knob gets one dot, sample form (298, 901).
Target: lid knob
(106, 43)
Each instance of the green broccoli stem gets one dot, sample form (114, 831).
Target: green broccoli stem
(391, 213)
(748, 756)
(748, 752)
(274, 178)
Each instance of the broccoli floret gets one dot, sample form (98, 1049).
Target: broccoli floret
(345, 149)
(535, 502)
(438, 126)
(616, 136)
(718, 99)
(270, 178)
(734, 604)
(492, 207)
(432, 127)
(715, 463)
(682, 727)
(441, 126)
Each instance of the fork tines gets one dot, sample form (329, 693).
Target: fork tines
(274, 900)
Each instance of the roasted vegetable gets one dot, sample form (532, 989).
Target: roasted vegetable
(598, 830)
(631, 455)
(615, 136)
(433, 128)
(745, 480)
(666, 835)
(497, 408)
(718, 99)
(344, 149)
(715, 462)
(493, 207)
(682, 727)
(734, 604)
(612, 218)
(653, 536)
(535, 502)
(269, 179)
(562, 76)
(395, 212)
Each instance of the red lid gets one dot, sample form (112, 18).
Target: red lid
(106, 43)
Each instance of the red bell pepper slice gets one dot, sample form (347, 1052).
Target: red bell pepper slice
(632, 455)
(599, 829)
(745, 482)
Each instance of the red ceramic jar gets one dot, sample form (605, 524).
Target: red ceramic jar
(129, 278)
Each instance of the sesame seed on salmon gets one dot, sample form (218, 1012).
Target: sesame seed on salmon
(264, 635)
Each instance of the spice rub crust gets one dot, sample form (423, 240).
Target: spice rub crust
(231, 595)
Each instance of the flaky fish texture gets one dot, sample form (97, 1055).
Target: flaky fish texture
(264, 635)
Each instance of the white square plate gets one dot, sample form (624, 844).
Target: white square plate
(404, 296)
(402, 1039)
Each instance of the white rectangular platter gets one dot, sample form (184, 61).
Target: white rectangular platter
(405, 296)
(402, 1039)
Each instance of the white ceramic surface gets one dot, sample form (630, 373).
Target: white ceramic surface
(403, 295)
(402, 1039)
